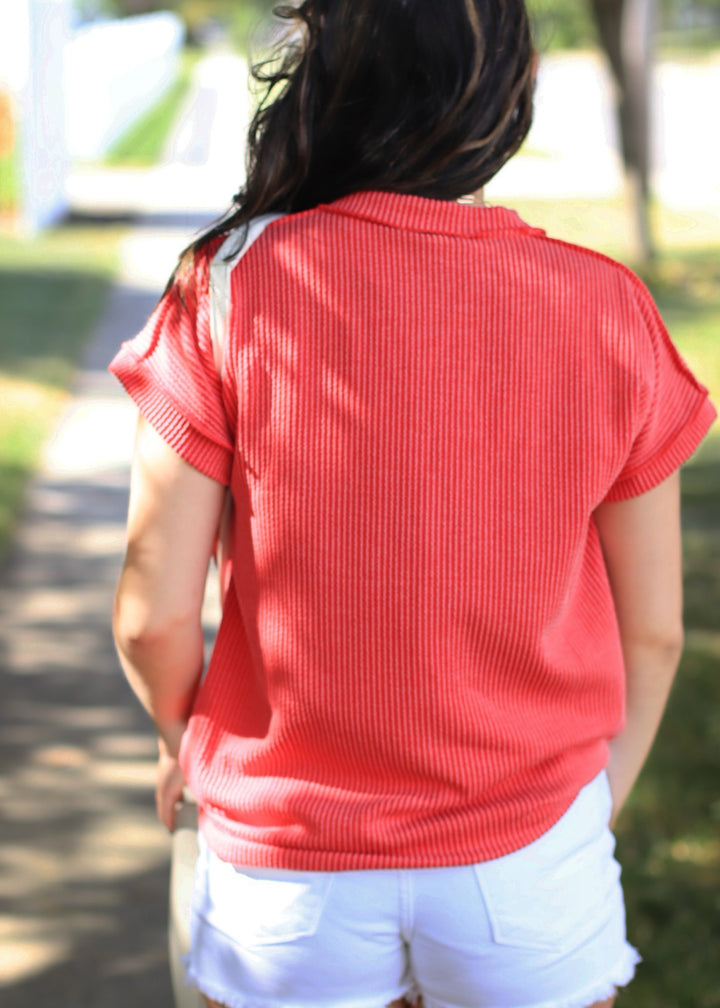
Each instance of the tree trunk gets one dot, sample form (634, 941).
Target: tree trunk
(626, 32)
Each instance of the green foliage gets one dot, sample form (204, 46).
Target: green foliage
(89, 10)
(561, 24)
(568, 24)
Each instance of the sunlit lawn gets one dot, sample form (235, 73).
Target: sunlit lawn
(669, 837)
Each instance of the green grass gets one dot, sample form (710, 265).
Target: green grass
(143, 143)
(52, 291)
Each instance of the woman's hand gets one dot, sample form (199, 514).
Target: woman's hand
(169, 786)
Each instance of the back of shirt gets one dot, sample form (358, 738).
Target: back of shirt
(419, 662)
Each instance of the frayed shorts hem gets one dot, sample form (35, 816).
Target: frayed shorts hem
(236, 999)
(599, 991)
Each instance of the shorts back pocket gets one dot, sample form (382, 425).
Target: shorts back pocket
(560, 889)
(258, 906)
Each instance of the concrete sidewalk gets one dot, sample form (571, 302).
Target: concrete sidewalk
(83, 861)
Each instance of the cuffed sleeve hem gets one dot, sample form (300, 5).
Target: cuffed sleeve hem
(201, 452)
(674, 454)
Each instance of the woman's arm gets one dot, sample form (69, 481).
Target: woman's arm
(641, 542)
(172, 523)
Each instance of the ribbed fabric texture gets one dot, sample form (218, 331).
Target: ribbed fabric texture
(418, 662)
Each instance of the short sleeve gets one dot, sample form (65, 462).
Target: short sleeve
(677, 414)
(169, 371)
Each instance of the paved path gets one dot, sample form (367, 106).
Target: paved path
(83, 862)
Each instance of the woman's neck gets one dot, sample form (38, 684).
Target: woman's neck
(474, 199)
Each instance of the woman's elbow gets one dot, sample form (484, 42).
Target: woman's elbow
(663, 645)
(672, 643)
(142, 625)
(132, 624)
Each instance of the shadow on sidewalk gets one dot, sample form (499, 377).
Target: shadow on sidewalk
(83, 862)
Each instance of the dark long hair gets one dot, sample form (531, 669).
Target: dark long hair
(429, 97)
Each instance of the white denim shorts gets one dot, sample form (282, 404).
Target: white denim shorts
(543, 927)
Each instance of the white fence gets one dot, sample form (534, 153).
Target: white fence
(73, 94)
(114, 72)
(32, 37)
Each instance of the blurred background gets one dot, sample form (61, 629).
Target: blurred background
(122, 126)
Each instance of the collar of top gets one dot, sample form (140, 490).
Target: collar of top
(418, 213)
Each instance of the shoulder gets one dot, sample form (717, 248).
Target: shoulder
(593, 265)
(607, 290)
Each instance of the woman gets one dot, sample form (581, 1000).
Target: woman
(452, 611)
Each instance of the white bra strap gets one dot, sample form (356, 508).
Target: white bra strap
(227, 256)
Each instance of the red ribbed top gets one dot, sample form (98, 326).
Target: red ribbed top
(421, 405)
